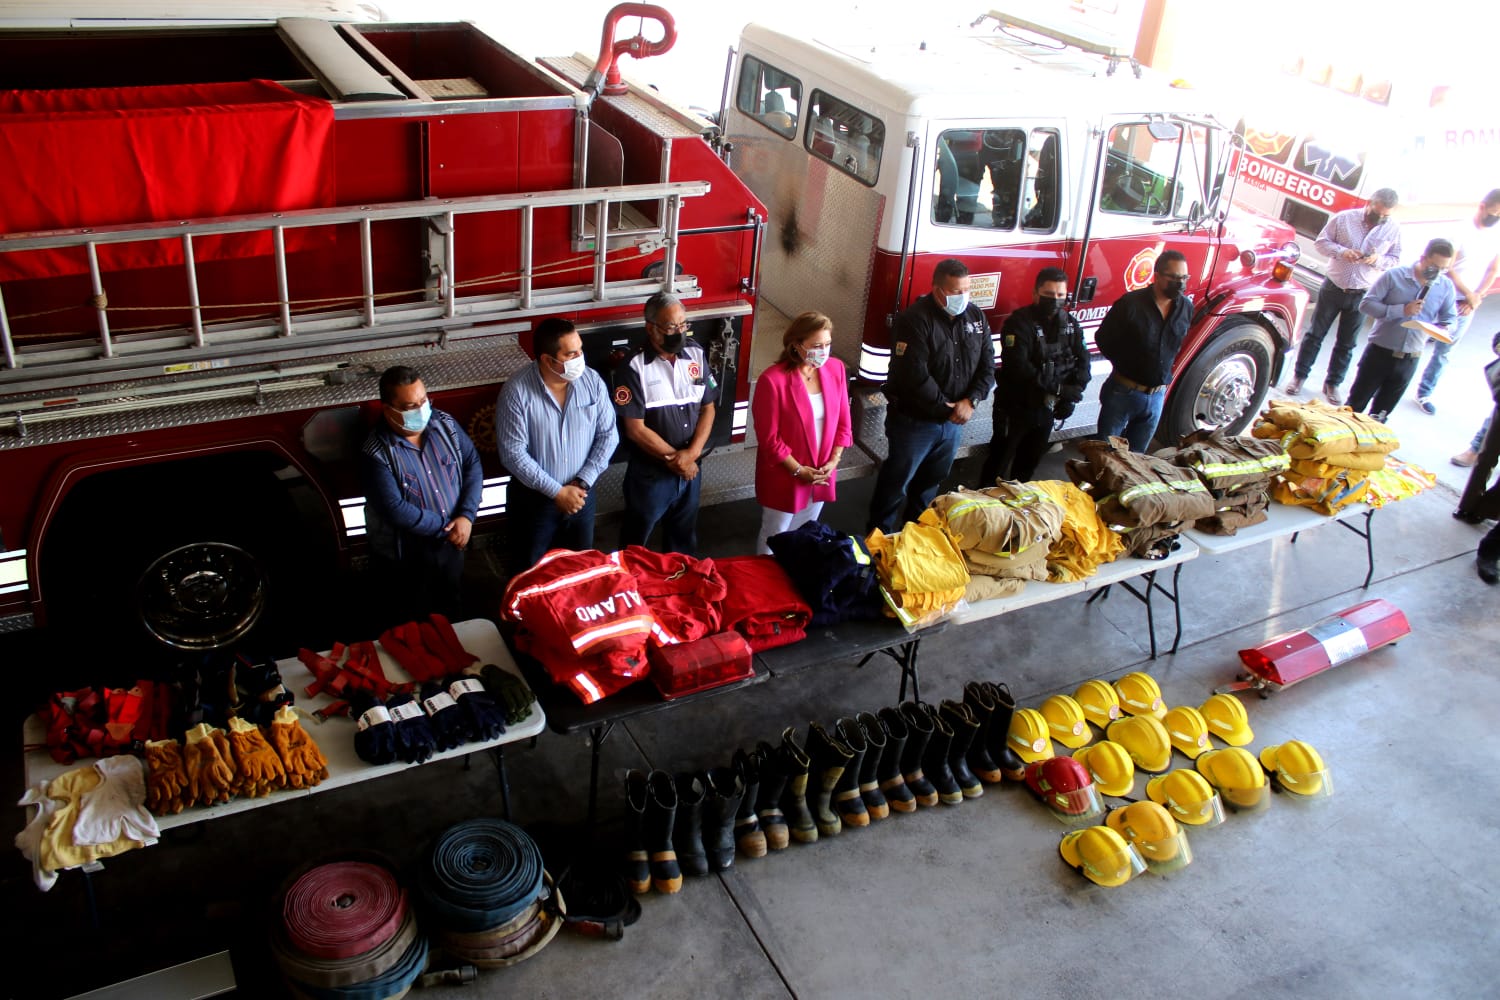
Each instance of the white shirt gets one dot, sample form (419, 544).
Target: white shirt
(1475, 250)
(820, 417)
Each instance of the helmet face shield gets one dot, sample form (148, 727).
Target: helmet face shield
(1167, 854)
(1155, 835)
(1101, 855)
(1197, 812)
(1308, 784)
(1078, 807)
(1188, 797)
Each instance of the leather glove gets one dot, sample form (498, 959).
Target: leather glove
(167, 790)
(257, 767)
(209, 770)
(304, 762)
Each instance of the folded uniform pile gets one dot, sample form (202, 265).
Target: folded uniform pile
(1004, 533)
(1238, 472)
(1146, 499)
(762, 603)
(922, 574)
(1332, 452)
(832, 571)
(1084, 542)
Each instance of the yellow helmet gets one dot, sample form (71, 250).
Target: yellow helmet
(1188, 797)
(1111, 766)
(1100, 704)
(1227, 720)
(1298, 768)
(1188, 730)
(1238, 777)
(1145, 739)
(1155, 835)
(1140, 695)
(1028, 735)
(1065, 721)
(1101, 855)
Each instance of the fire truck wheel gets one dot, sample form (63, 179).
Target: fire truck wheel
(1226, 383)
(201, 596)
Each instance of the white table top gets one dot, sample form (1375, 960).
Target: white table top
(334, 737)
(1281, 520)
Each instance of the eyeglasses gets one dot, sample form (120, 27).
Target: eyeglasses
(683, 328)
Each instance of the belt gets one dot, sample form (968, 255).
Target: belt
(1150, 390)
(1400, 355)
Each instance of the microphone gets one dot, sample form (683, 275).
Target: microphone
(1423, 293)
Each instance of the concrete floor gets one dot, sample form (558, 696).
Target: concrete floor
(1382, 891)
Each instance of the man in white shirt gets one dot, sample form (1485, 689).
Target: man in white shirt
(1473, 273)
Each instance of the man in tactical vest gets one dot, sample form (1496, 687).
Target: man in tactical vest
(1044, 368)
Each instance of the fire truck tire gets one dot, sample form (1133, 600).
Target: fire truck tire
(1225, 385)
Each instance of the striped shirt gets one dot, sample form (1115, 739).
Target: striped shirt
(545, 445)
(415, 489)
(1347, 231)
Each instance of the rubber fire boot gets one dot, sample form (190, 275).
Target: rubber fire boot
(965, 726)
(829, 760)
(725, 790)
(661, 815)
(747, 833)
(869, 784)
(637, 858)
(796, 764)
(934, 764)
(1011, 765)
(687, 831)
(888, 772)
(919, 734)
(846, 798)
(768, 797)
(983, 707)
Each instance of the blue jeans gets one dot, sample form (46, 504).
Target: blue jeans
(534, 525)
(919, 456)
(655, 495)
(1129, 413)
(1333, 303)
(1439, 359)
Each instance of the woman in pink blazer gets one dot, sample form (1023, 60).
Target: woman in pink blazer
(801, 411)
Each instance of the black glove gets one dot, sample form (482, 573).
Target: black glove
(1063, 410)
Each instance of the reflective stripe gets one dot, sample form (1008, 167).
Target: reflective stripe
(1153, 489)
(861, 554)
(585, 687)
(1249, 466)
(635, 624)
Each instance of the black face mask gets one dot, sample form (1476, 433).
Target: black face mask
(1175, 287)
(671, 343)
(1431, 271)
(1489, 220)
(1051, 308)
(1372, 220)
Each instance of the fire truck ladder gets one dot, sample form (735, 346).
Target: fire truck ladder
(445, 313)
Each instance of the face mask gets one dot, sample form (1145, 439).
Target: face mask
(1431, 271)
(1489, 220)
(1372, 220)
(815, 357)
(671, 343)
(571, 369)
(1175, 287)
(955, 304)
(415, 421)
(1051, 308)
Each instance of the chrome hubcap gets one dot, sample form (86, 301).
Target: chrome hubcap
(1226, 393)
(202, 596)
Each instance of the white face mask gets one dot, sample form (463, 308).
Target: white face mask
(955, 304)
(571, 369)
(815, 357)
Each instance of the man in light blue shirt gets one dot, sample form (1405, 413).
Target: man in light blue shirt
(1419, 292)
(555, 429)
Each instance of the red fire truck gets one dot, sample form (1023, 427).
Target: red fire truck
(217, 237)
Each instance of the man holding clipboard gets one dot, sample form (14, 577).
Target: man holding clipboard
(1420, 293)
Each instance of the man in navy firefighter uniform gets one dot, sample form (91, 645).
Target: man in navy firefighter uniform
(665, 397)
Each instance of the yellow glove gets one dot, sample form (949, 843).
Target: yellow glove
(258, 768)
(167, 788)
(304, 762)
(210, 773)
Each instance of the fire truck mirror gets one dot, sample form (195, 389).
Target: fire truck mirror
(334, 435)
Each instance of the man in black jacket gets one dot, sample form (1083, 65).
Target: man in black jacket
(1141, 335)
(942, 366)
(1044, 368)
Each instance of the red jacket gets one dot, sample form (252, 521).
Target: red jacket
(784, 426)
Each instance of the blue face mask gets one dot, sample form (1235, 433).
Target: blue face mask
(415, 421)
(955, 304)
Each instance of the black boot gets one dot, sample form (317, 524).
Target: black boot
(1011, 765)
(846, 798)
(829, 760)
(768, 797)
(983, 707)
(687, 831)
(725, 790)
(747, 833)
(888, 773)
(637, 858)
(965, 726)
(796, 764)
(869, 784)
(660, 819)
(934, 764)
(919, 734)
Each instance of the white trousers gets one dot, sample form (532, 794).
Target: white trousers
(774, 522)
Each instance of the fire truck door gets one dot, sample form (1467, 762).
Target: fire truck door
(1147, 180)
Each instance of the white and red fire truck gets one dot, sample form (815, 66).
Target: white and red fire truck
(229, 231)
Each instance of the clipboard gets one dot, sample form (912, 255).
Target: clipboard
(1435, 332)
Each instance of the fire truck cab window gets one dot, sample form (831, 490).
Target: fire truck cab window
(770, 96)
(997, 178)
(1140, 172)
(845, 136)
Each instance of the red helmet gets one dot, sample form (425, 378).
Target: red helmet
(1065, 786)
